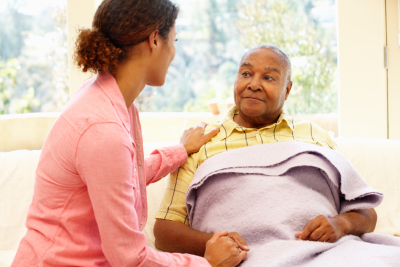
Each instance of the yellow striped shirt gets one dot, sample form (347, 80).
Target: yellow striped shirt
(231, 136)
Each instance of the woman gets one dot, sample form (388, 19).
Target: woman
(89, 203)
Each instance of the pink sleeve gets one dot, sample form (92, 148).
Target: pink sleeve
(104, 162)
(163, 161)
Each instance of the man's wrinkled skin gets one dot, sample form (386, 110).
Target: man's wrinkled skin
(261, 87)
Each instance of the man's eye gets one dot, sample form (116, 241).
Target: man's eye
(246, 74)
(176, 40)
(269, 78)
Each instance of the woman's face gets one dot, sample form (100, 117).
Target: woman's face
(163, 59)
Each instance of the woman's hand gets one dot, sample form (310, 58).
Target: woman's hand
(222, 251)
(194, 138)
(239, 240)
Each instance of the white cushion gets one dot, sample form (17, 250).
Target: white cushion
(378, 162)
(17, 172)
(6, 257)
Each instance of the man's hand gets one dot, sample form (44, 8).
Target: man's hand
(222, 251)
(177, 237)
(322, 229)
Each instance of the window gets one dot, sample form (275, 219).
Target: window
(214, 34)
(33, 56)
(212, 37)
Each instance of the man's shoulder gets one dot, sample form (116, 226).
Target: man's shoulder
(299, 122)
(211, 126)
(305, 127)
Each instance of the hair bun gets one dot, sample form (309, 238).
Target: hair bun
(94, 52)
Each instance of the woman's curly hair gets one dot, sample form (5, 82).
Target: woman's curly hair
(118, 25)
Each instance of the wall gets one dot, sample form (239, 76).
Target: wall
(25, 131)
(393, 43)
(362, 75)
(79, 15)
(364, 98)
(29, 131)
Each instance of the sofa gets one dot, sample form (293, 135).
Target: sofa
(377, 160)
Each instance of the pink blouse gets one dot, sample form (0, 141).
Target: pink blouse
(89, 203)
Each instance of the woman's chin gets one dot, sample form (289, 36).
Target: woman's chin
(156, 83)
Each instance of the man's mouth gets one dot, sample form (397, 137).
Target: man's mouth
(253, 98)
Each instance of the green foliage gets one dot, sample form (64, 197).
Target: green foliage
(33, 62)
(313, 62)
(206, 59)
(8, 71)
(214, 34)
(27, 102)
(13, 24)
(8, 83)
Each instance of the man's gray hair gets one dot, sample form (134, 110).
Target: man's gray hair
(286, 61)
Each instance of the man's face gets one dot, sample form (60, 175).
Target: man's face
(261, 86)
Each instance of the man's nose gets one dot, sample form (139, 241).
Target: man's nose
(254, 84)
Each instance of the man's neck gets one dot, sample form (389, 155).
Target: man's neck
(251, 122)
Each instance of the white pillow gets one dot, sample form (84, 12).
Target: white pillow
(17, 176)
(378, 162)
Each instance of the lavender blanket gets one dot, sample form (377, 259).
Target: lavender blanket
(267, 193)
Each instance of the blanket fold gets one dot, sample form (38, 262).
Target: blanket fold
(269, 192)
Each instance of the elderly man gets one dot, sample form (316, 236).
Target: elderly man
(262, 85)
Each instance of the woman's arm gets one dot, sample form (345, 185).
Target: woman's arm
(104, 162)
(162, 161)
(165, 160)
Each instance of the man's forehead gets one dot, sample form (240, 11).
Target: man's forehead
(265, 57)
(260, 54)
(266, 67)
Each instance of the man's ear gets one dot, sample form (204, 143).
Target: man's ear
(154, 40)
(288, 88)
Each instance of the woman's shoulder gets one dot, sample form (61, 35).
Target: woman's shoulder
(89, 106)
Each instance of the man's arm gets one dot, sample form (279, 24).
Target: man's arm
(324, 229)
(177, 237)
(171, 230)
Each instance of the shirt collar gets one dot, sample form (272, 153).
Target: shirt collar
(110, 87)
(229, 125)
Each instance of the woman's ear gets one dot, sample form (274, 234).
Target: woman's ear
(154, 40)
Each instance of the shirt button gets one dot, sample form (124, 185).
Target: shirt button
(140, 166)
(141, 187)
(140, 225)
(138, 145)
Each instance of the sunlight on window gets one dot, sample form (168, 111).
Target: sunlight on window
(214, 34)
(212, 37)
(33, 56)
